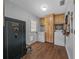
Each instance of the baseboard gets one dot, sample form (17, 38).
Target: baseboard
(67, 53)
(34, 43)
(40, 42)
(49, 42)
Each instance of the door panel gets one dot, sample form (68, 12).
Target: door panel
(59, 19)
(14, 41)
(49, 28)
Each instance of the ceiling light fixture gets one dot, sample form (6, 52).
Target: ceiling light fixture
(44, 7)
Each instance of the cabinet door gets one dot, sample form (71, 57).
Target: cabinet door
(59, 19)
(49, 27)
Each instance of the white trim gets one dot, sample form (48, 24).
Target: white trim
(67, 52)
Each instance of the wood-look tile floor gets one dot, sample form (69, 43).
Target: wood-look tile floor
(46, 51)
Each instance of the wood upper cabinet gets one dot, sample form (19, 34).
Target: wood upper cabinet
(42, 29)
(42, 21)
(59, 19)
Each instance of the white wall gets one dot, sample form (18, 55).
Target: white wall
(14, 11)
(70, 40)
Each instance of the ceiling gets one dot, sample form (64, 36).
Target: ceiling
(33, 6)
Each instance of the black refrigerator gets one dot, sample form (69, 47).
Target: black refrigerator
(14, 38)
